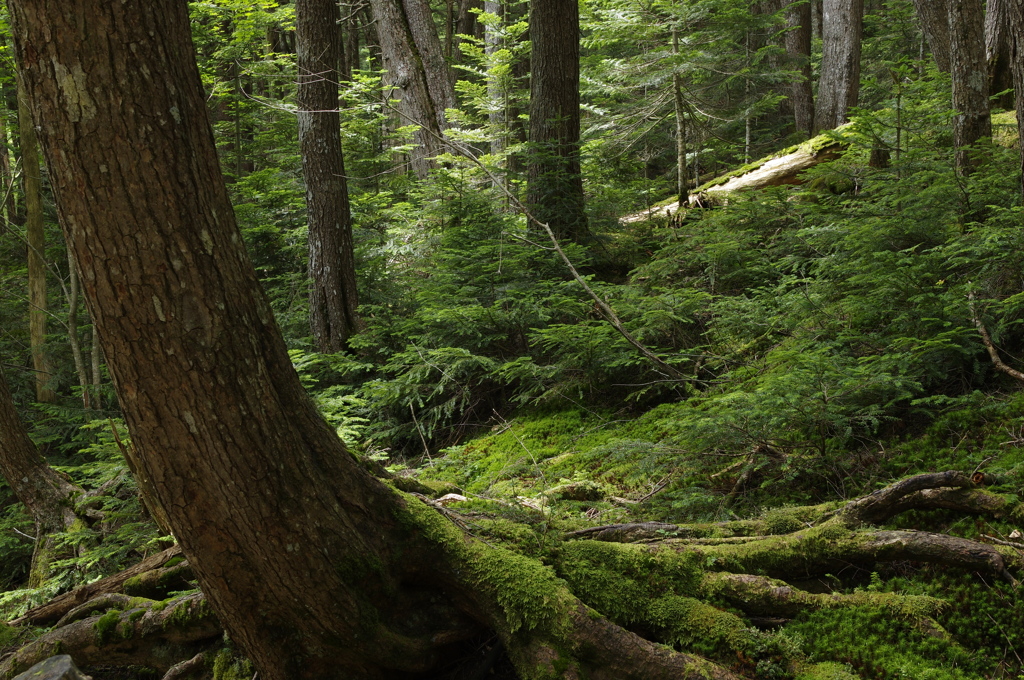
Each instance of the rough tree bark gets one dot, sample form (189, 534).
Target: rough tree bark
(998, 50)
(798, 50)
(1016, 17)
(839, 82)
(971, 120)
(933, 16)
(333, 300)
(417, 72)
(554, 180)
(348, 578)
(45, 494)
(32, 183)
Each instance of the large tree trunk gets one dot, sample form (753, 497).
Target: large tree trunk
(332, 271)
(798, 50)
(554, 180)
(417, 73)
(971, 120)
(933, 16)
(314, 567)
(36, 240)
(839, 83)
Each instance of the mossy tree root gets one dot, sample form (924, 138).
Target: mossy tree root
(52, 611)
(149, 635)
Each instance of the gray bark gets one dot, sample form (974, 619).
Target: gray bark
(971, 120)
(933, 16)
(417, 73)
(798, 50)
(332, 297)
(839, 83)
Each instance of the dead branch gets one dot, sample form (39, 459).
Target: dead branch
(986, 340)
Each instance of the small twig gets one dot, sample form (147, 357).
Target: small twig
(997, 541)
(22, 533)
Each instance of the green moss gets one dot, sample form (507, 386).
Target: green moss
(811, 146)
(1004, 129)
(185, 611)
(106, 626)
(529, 593)
(826, 671)
(229, 666)
(173, 562)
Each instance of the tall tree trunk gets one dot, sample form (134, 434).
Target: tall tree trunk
(839, 82)
(679, 105)
(997, 50)
(314, 567)
(1015, 15)
(971, 120)
(933, 16)
(554, 179)
(798, 50)
(332, 297)
(417, 73)
(35, 236)
(44, 493)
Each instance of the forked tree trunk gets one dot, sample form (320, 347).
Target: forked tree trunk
(554, 179)
(971, 120)
(314, 567)
(332, 271)
(416, 72)
(839, 83)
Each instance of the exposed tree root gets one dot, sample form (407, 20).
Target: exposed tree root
(56, 608)
(613, 608)
(146, 634)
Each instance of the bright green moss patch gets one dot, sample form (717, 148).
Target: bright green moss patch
(106, 626)
(826, 671)
(529, 593)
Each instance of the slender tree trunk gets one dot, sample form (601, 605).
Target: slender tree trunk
(682, 176)
(332, 298)
(76, 346)
(554, 179)
(798, 50)
(997, 50)
(933, 16)
(45, 494)
(7, 173)
(35, 235)
(417, 73)
(971, 120)
(1015, 14)
(839, 83)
